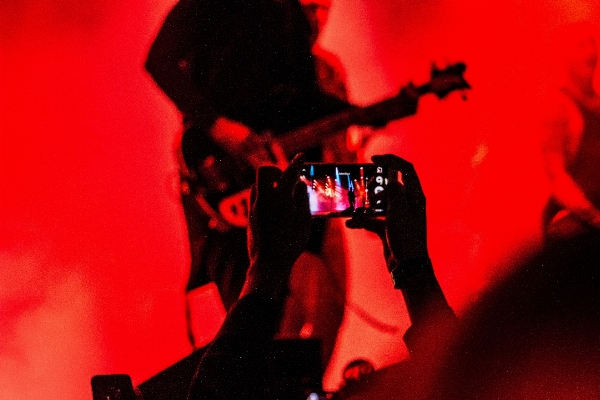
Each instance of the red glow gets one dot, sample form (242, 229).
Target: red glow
(92, 239)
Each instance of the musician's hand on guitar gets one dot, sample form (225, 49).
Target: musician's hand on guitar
(239, 140)
(357, 136)
(260, 150)
(230, 134)
(279, 228)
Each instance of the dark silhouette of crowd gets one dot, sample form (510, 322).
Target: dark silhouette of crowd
(236, 364)
(533, 335)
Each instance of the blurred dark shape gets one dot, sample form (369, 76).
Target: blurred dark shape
(534, 336)
(112, 387)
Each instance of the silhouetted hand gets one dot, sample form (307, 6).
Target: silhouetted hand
(279, 227)
(404, 230)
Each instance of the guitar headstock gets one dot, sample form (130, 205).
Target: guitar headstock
(449, 79)
(442, 82)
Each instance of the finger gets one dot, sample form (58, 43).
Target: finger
(266, 179)
(291, 175)
(371, 224)
(301, 199)
(395, 163)
(396, 202)
(355, 223)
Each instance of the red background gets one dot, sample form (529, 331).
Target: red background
(93, 257)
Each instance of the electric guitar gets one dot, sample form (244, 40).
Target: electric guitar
(222, 182)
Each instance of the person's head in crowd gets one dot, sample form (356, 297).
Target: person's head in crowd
(535, 335)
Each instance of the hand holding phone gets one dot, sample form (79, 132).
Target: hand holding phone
(404, 230)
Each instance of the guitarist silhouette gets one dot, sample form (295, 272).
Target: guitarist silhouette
(245, 78)
(236, 70)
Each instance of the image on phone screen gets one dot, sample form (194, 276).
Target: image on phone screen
(340, 190)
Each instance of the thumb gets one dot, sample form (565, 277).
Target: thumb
(368, 223)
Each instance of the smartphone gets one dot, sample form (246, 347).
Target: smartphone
(344, 190)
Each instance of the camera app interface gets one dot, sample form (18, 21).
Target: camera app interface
(345, 189)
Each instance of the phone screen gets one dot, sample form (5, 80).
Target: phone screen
(344, 190)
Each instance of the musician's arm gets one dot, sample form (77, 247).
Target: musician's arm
(556, 148)
(169, 59)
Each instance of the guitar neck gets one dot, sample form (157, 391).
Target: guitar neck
(315, 133)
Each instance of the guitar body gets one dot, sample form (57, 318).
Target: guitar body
(221, 180)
